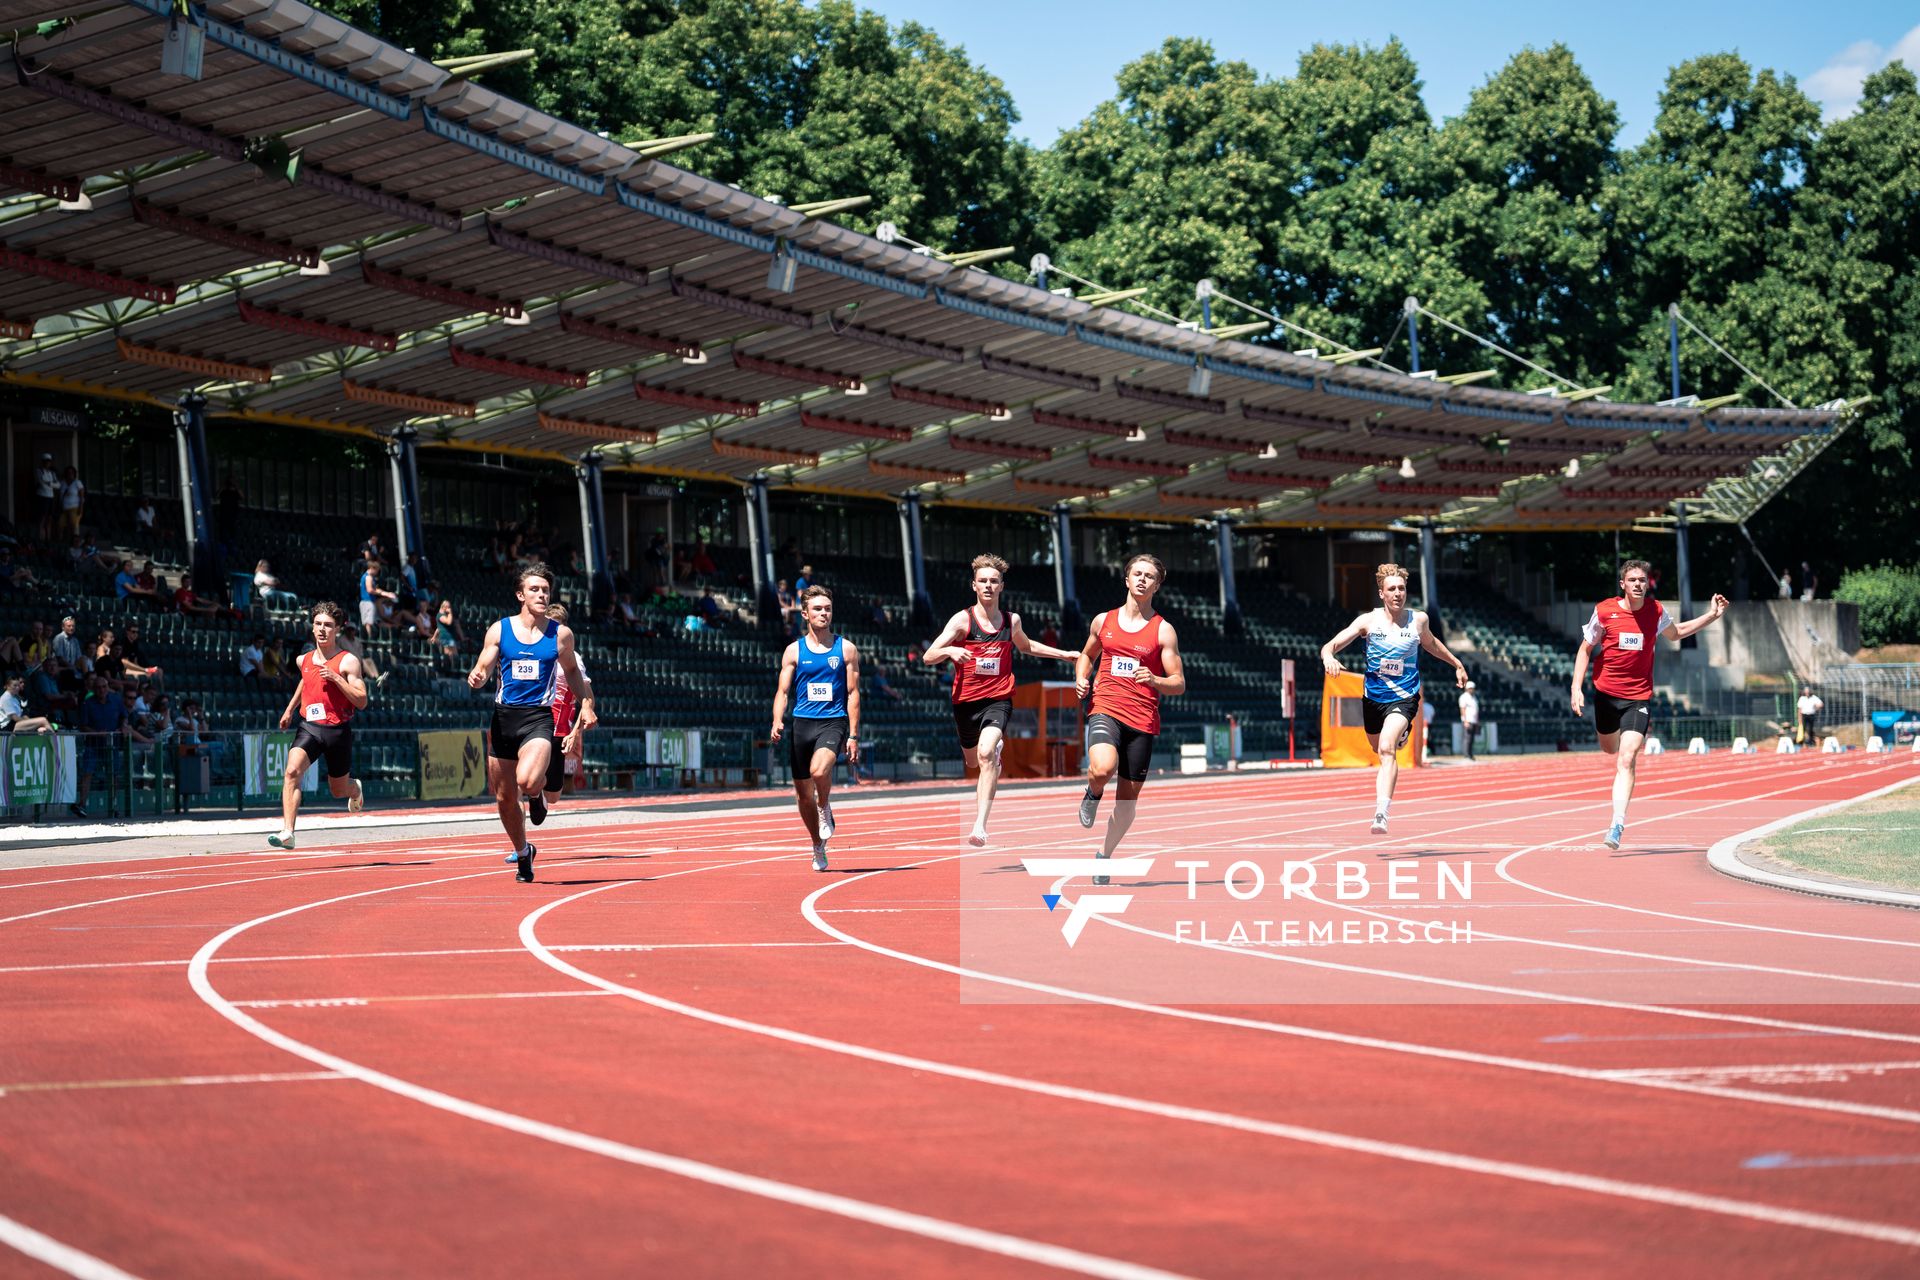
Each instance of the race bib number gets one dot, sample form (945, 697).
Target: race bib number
(316, 711)
(525, 669)
(1123, 668)
(1393, 667)
(987, 666)
(819, 691)
(1632, 641)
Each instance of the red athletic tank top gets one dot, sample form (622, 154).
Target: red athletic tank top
(1115, 692)
(990, 674)
(321, 702)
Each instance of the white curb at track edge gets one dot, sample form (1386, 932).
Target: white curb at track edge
(1725, 858)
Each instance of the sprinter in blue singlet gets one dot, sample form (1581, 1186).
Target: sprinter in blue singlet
(820, 677)
(1395, 636)
(528, 646)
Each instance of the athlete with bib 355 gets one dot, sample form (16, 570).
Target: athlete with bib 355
(1395, 636)
(531, 650)
(820, 675)
(330, 691)
(1623, 630)
(1131, 658)
(980, 642)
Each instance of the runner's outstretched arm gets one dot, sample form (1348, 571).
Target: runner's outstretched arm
(350, 680)
(1681, 630)
(489, 655)
(1351, 632)
(788, 662)
(1434, 645)
(1088, 658)
(944, 649)
(1174, 682)
(852, 654)
(1580, 659)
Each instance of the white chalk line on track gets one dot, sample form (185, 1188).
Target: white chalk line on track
(1669, 1197)
(1731, 843)
(184, 961)
(156, 1082)
(64, 1258)
(847, 1207)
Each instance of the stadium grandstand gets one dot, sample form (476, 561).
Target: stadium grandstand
(376, 297)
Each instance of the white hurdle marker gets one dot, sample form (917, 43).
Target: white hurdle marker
(1786, 746)
(1876, 745)
(1698, 747)
(1741, 747)
(1831, 746)
(1653, 747)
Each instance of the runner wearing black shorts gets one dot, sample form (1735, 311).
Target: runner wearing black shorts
(1134, 746)
(514, 727)
(970, 719)
(1373, 716)
(331, 742)
(809, 736)
(1611, 714)
(332, 688)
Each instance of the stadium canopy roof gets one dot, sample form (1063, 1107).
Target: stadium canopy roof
(451, 260)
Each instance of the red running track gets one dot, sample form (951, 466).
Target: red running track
(684, 1053)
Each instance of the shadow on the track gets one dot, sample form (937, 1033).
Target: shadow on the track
(1435, 853)
(856, 871)
(1659, 853)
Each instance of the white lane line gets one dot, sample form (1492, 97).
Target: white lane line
(359, 1002)
(63, 1258)
(407, 955)
(1745, 873)
(931, 1228)
(1537, 1175)
(1534, 1065)
(155, 1082)
(1767, 1069)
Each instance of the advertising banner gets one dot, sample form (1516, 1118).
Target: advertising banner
(264, 761)
(39, 769)
(676, 748)
(453, 765)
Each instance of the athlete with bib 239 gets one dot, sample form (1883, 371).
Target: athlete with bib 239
(1621, 633)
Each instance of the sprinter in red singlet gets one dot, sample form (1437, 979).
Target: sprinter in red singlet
(1131, 659)
(331, 689)
(980, 641)
(1623, 630)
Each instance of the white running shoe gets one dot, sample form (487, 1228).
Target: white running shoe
(358, 800)
(1379, 827)
(285, 841)
(1089, 808)
(819, 855)
(826, 822)
(979, 838)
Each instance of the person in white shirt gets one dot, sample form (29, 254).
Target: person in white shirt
(251, 657)
(1469, 716)
(73, 501)
(13, 711)
(70, 648)
(1810, 707)
(46, 485)
(143, 517)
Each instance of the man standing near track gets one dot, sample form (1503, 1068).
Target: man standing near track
(1131, 658)
(1469, 717)
(533, 651)
(824, 670)
(980, 641)
(1395, 635)
(1623, 630)
(331, 689)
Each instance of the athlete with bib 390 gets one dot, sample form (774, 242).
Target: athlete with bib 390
(1131, 658)
(331, 689)
(531, 650)
(1623, 631)
(980, 642)
(820, 676)
(1395, 636)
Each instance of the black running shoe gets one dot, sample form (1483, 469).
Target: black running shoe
(525, 864)
(537, 810)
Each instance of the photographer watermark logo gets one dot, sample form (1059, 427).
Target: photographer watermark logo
(1086, 905)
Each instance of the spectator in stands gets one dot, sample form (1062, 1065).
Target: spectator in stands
(133, 662)
(143, 517)
(370, 553)
(267, 587)
(1786, 585)
(702, 563)
(789, 611)
(104, 655)
(187, 601)
(13, 710)
(371, 592)
(877, 677)
(1049, 635)
(446, 632)
(350, 641)
(157, 724)
(710, 610)
(190, 733)
(15, 577)
(52, 688)
(68, 646)
(274, 670)
(12, 656)
(656, 561)
(1469, 716)
(36, 646)
(102, 718)
(1809, 582)
(252, 656)
(879, 615)
(73, 500)
(46, 486)
(138, 586)
(805, 580)
(83, 556)
(682, 566)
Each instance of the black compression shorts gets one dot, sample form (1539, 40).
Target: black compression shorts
(1373, 715)
(1613, 715)
(969, 718)
(331, 742)
(514, 727)
(806, 736)
(1134, 745)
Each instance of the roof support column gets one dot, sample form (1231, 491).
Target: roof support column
(1430, 576)
(1063, 571)
(196, 472)
(402, 462)
(593, 533)
(1683, 564)
(915, 560)
(1411, 309)
(760, 547)
(1229, 594)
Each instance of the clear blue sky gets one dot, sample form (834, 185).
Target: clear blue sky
(1058, 57)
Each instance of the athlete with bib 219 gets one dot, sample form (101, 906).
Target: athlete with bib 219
(1622, 631)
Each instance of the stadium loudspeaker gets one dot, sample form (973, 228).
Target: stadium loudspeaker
(1698, 747)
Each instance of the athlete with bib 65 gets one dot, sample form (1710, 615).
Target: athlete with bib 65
(1623, 631)
(331, 689)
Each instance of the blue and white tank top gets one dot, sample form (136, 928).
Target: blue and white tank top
(820, 681)
(527, 671)
(1393, 660)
